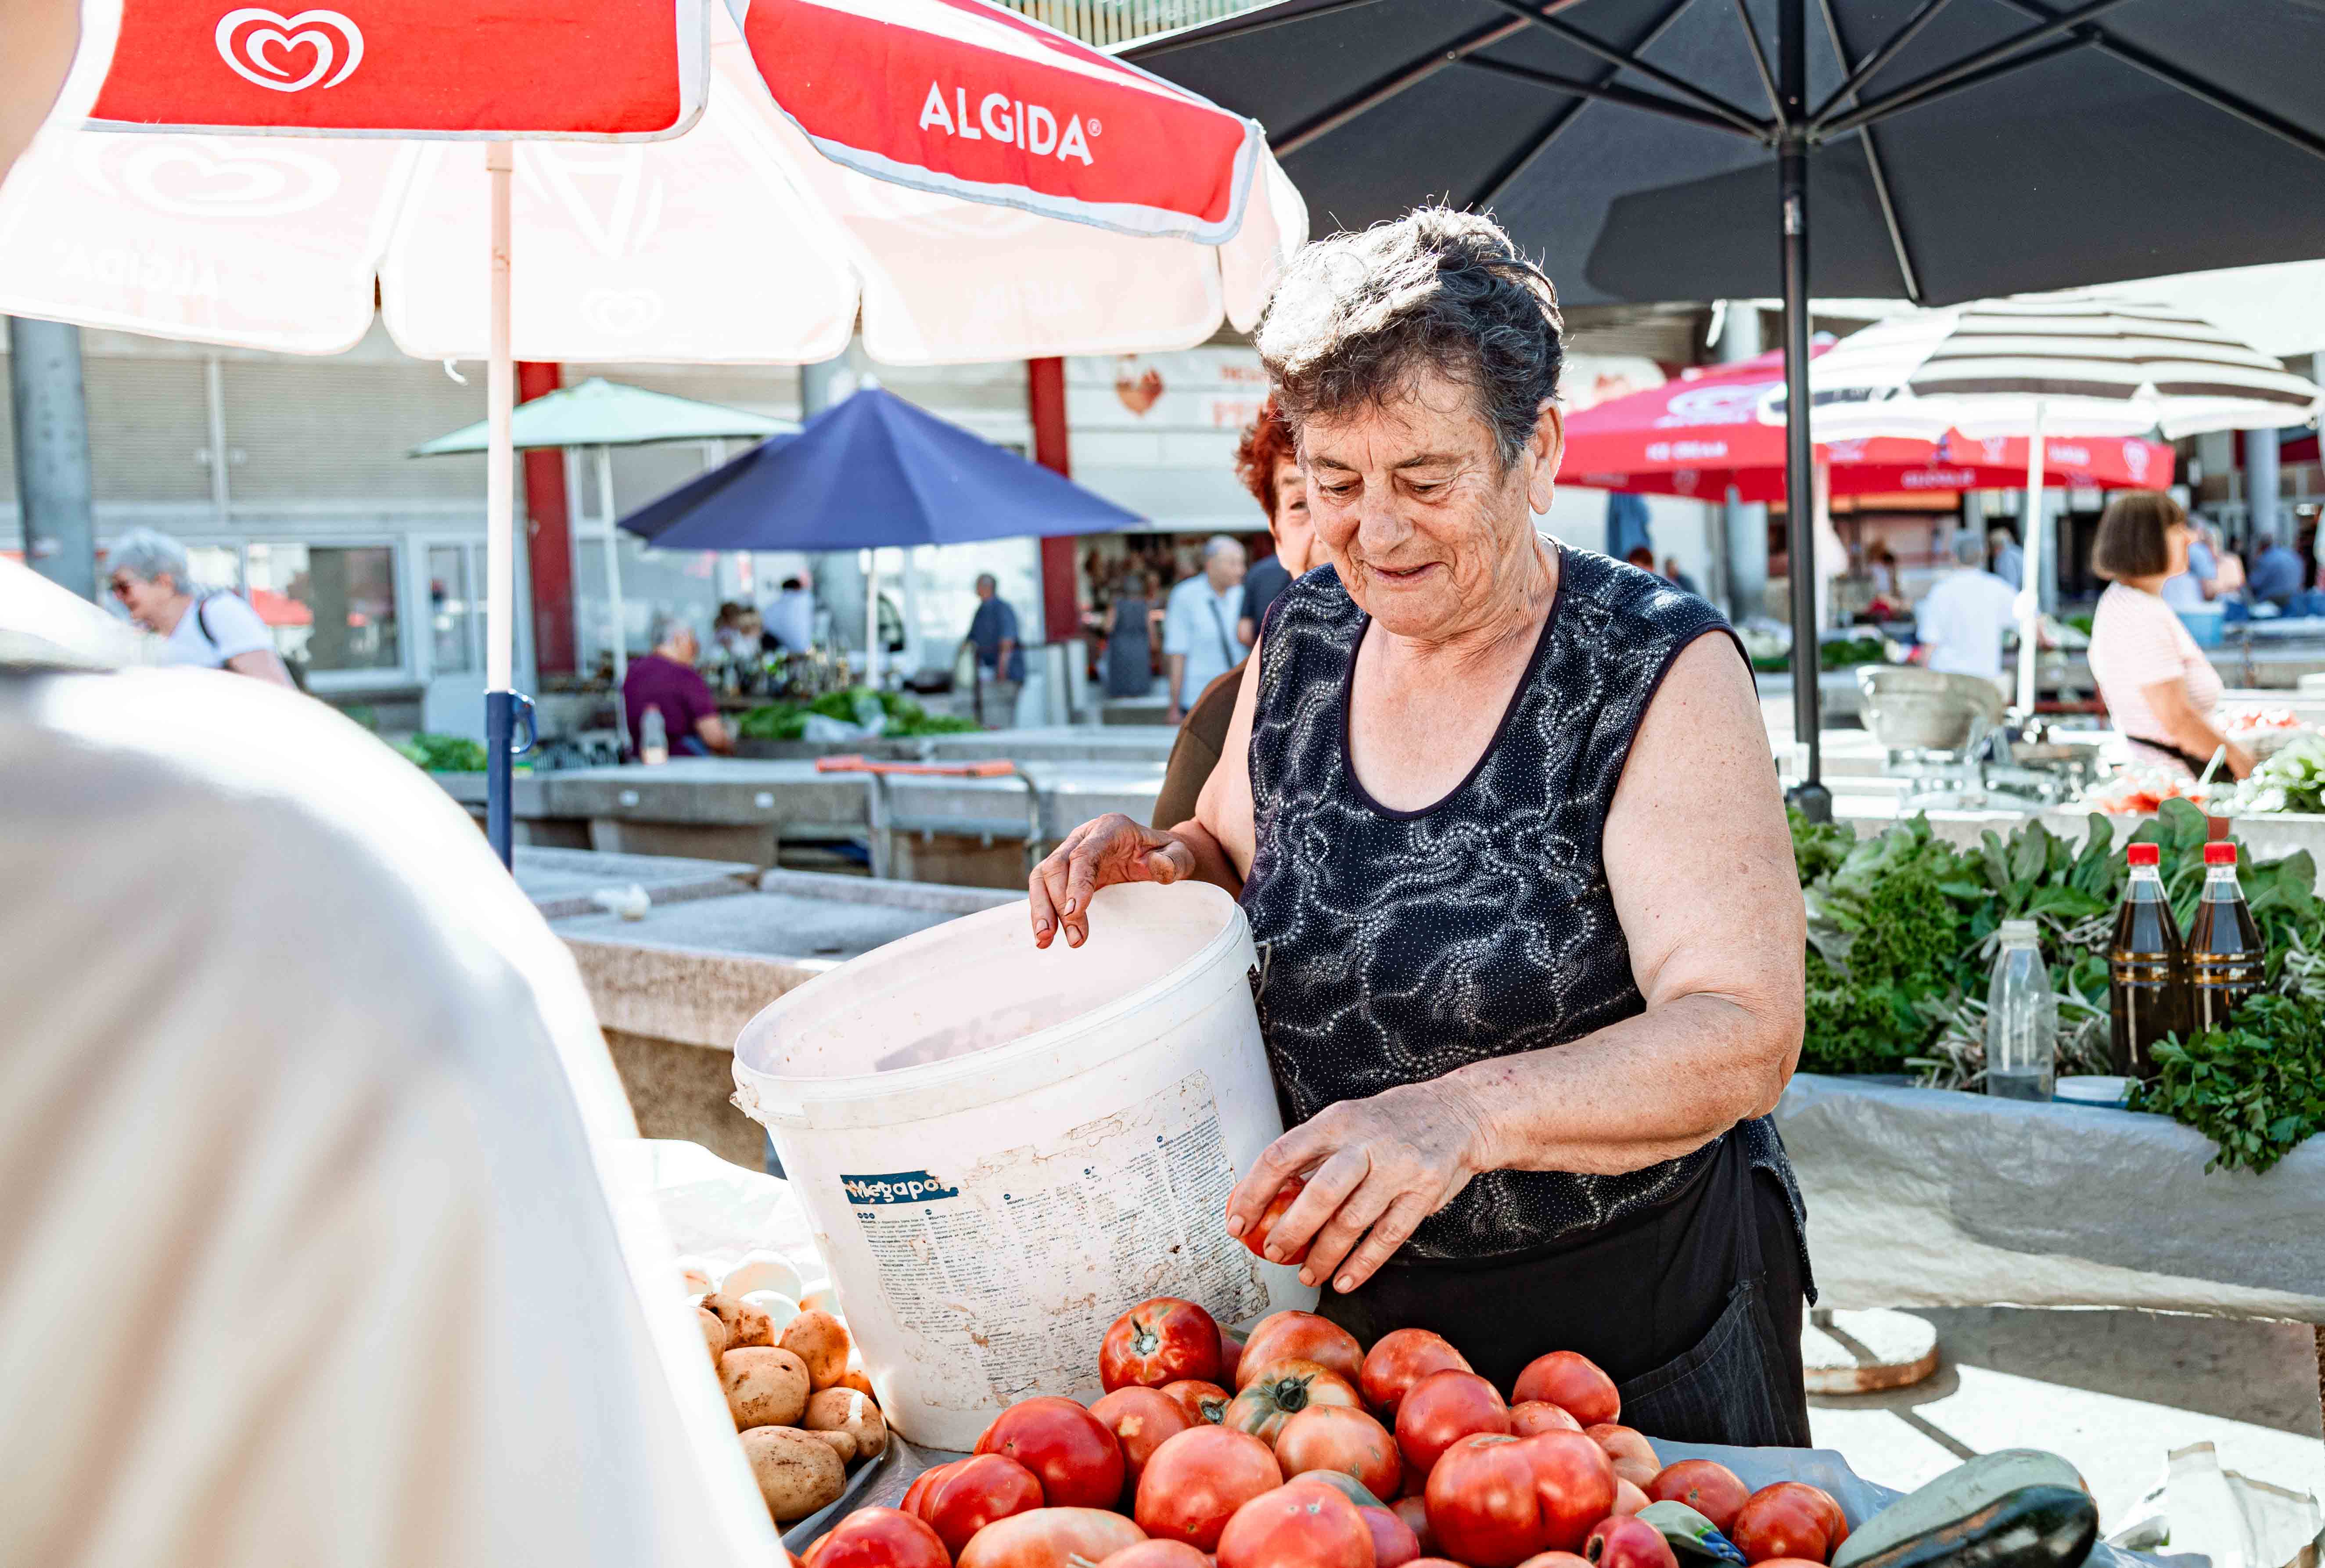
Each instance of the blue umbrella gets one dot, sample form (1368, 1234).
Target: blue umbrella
(871, 471)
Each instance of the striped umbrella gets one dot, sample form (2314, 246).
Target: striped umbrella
(2047, 365)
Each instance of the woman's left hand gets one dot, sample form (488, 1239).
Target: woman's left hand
(1376, 1168)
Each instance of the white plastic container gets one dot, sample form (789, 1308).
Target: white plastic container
(1001, 1149)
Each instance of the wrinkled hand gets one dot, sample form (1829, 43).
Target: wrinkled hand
(1376, 1168)
(1100, 853)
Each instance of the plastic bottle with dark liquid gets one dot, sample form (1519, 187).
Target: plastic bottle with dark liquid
(2226, 960)
(2147, 997)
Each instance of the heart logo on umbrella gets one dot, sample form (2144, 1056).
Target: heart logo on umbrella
(249, 40)
(1138, 393)
(213, 176)
(622, 313)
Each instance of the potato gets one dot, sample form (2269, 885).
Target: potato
(843, 1443)
(855, 1378)
(764, 1386)
(696, 1276)
(846, 1410)
(746, 1324)
(762, 1271)
(714, 1332)
(797, 1472)
(780, 1308)
(826, 1300)
(820, 1341)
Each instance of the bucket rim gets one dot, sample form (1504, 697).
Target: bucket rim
(781, 1095)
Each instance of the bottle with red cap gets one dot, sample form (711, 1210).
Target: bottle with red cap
(2147, 996)
(2226, 960)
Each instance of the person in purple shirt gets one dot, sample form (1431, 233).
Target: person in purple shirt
(667, 679)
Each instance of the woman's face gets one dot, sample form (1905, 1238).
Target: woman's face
(1294, 529)
(146, 598)
(2175, 544)
(1411, 505)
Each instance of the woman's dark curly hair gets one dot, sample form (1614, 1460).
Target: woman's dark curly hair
(1358, 317)
(1266, 442)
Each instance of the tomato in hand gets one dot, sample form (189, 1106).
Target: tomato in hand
(1634, 1456)
(1281, 1390)
(1705, 1485)
(1141, 1420)
(1789, 1519)
(1440, 1410)
(973, 1493)
(1347, 1441)
(1070, 1452)
(879, 1538)
(1050, 1538)
(1292, 1336)
(1297, 1527)
(1202, 1402)
(1159, 1341)
(1401, 1358)
(1256, 1237)
(1572, 1382)
(1196, 1481)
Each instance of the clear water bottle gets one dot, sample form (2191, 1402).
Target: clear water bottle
(2022, 1019)
(654, 739)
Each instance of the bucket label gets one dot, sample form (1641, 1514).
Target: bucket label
(1018, 1269)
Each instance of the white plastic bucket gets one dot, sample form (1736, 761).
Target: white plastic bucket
(1001, 1149)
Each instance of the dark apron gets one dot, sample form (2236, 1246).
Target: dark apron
(1693, 1309)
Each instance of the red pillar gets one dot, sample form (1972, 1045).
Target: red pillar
(549, 537)
(1045, 390)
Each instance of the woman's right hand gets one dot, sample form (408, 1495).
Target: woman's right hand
(1100, 853)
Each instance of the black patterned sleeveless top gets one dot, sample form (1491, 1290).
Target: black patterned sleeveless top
(1398, 946)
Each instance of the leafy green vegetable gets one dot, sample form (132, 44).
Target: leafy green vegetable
(2291, 780)
(1833, 655)
(444, 753)
(904, 716)
(2256, 1089)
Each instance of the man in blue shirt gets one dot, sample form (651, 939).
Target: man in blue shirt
(2276, 571)
(1000, 658)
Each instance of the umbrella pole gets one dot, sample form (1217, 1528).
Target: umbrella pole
(872, 618)
(2029, 591)
(501, 703)
(1814, 801)
(605, 456)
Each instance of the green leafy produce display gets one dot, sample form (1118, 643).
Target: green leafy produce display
(444, 753)
(2292, 779)
(1901, 929)
(788, 720)
(1834, 655)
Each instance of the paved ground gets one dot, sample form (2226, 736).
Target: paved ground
(2110, 1391)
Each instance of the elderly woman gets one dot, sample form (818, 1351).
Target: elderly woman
(209, 628)
(2160, 690)
(1502, 816)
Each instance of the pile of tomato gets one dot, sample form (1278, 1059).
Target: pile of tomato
(1298, 1449)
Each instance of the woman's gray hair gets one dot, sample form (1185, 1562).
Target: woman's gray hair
(1359, 317)
(147, 555)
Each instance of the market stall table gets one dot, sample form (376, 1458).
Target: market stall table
(563, 883)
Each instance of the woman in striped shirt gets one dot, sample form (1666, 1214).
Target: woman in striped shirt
(2162, 692)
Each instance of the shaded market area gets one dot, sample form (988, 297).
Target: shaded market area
(963, 783)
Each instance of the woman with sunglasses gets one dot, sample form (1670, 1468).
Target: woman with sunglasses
(213, 629)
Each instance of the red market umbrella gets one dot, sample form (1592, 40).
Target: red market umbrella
(1707, 430)
(956, 100)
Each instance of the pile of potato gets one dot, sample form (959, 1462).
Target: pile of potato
(801, 1401)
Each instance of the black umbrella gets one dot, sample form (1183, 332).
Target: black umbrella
(1675, 148)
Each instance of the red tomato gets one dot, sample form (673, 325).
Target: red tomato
(1347, 1486)
(1628, 1499)
(1281, 1390)
(1789, 1519)
(1256, 1237)
(1072, 1454)
(1573, 1382)
(879, 1538)
(921, 1482)
(1575, 1480)
(1440, 1410)
(973, 1493)
(1394, 1543)
(1159, 1341)
(1540, 1415)
(1300, 1337)
(1196, 1481)
(1158, 1554)
(1434, 1562)
(1141, 1419)
(1414, 1512)
(1336, 1438)
(1634, 1456)
(1554, 1560)
(1230, 1355)
(1483, 1505)
(1050, 1538)
(1296, 1528)
(1401, 1358)
(1705, 1485)
(1202, 1402)
(1626, 1542)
